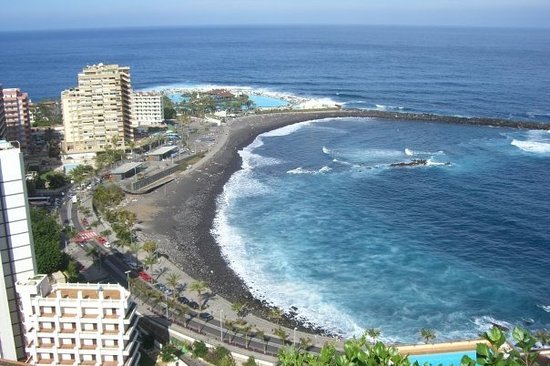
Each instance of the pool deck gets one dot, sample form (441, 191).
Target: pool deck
(421, 349)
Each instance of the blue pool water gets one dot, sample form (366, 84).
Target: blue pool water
(267, 102)
(445, 359)
(177, 98)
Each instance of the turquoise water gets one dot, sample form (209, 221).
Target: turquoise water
(445, 359)
(267, 102)
(177, 98)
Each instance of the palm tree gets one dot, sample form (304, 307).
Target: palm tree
(260, 334)
(305, 343)
(135, 247)
(276, 314)
(150, 246)
(373, 333)
(240, 308)
(198, 287)
(427, 334)
(150, 261)
(281, 333)
(173, 280)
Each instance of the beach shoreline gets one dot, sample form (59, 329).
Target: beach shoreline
(180, 214)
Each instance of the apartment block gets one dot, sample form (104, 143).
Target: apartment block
(16, 248)
(78, 324)
(97, 113)
(2, 116)
(17, 116)
(147, 109)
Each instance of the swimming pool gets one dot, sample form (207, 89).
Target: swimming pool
(262, 101)
(445, 359)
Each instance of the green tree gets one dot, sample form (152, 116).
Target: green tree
(373, 333)
(427, 334)
(169, 108)
(276, 314)
(150, 262)
(150, 246)
(81, 173)
(46, 236)
(250, 362)
(199, 349)
(493, 355)
(55, 180)
(168, 353)
(281, 333)
(173, 280)
(198, 287)
(240, 308)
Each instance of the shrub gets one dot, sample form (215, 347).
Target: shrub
(199, 349)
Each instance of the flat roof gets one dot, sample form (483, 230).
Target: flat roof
(125, 168)
(162, 150)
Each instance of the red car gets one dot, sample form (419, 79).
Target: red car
(145, 276)
(101, 240)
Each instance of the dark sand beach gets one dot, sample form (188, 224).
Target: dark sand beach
(179, 215)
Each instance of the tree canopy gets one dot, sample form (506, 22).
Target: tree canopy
(47, 235)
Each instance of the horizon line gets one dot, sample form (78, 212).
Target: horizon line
(266, 26)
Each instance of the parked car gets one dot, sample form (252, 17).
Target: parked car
(193, 305)
(145, 276)
(168, 292)
(159, 286)
(183, 300)
(206, 316)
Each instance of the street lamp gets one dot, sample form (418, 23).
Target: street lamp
(221, 324)
(127, 279)
(294, 342)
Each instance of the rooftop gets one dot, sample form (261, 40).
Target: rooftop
(162, 150)
(125, 168)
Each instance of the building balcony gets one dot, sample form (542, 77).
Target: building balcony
(67, 362)
(44, 361)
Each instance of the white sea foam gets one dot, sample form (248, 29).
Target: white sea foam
(409, 152)
(532, 146)
(326, 150)
(430, 162)
(301, 170)
(545, 308)
(486, 322)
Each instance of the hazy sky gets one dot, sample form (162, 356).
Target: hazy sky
(61, 14)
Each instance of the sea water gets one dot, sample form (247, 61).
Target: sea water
(319, 219)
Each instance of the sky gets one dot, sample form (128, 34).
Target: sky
(77, 14)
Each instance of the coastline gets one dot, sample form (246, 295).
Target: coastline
(179, 215)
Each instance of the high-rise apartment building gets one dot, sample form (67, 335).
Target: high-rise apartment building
(78, 324)
(17, 116)
(2, 116)
(16, 248)
(147, 109)
(98, 112)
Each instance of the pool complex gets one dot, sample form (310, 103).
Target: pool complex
(262, 101)
(445, 359)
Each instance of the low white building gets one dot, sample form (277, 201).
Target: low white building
(78, 324)
(147, 109)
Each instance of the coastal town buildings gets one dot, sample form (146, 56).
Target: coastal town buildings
(17, 117)
(97, 113)
(16, 248)
(78, 324)
(2, 116)
(147, 109)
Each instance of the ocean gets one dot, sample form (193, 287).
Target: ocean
(318, 218)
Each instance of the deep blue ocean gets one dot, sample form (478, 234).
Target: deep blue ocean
(318, 218)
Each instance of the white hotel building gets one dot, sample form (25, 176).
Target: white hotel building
(147, 109)
(16, 249)
(78, 324)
